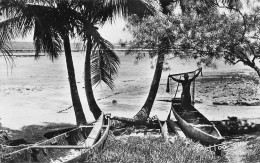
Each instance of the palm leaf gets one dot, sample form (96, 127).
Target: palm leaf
(104, 61)
(17, 25)
(47, 33)
(125, 8)
(22, 18)
(104, 64)
(47, 40)
(5, 50)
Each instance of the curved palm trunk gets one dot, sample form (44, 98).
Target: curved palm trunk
(257, 69)
(88, 85)
(144, 113)
(80, 116)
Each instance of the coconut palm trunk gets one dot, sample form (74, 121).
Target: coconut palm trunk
(144, 112)
(80, 117)
(257, 69)
(164, 46)
(94, 108)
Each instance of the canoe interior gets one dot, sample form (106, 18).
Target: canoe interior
(195, 118)
(64, 145)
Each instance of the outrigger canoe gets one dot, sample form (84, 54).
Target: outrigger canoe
(71, 146)
(195, 125)
(192, 123)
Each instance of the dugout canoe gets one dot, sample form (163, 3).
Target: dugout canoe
(195, 125)
(72, 146)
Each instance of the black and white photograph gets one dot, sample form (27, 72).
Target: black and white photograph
(130, 81)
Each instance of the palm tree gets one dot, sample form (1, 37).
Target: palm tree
(24, 17)
(52, 26)
(53, 22)
(101, 62)
(96, 59)
(161, 51)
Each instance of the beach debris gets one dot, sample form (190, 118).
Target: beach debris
(63, 111)
(114, 101)
(235, 126)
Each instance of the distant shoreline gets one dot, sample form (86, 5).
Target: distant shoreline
(28, 47)
(30, 52)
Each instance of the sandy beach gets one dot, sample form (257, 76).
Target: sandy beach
(36, 92)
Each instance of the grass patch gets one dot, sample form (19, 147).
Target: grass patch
(150, 149)
(253, 154)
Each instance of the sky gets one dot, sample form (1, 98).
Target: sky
(114, 32)
(111, 32)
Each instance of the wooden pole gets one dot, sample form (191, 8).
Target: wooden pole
(193, 91)
(60, 147)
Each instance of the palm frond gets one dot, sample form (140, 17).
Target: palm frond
(49, 28)
(104, 61)
(22, 17)
(104, 64)
(125, 8)
(18, 21)
(17, 25)
(47, 40)
(8, 29)
(5, 50)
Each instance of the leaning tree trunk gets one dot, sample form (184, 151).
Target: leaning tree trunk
(144, 113)
(252, 65)
(257, 69)
(94, 108)
(80, 116)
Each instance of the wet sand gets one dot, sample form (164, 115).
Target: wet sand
(36, 91)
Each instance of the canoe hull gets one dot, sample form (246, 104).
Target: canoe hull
(198, 128)
(71, 146)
